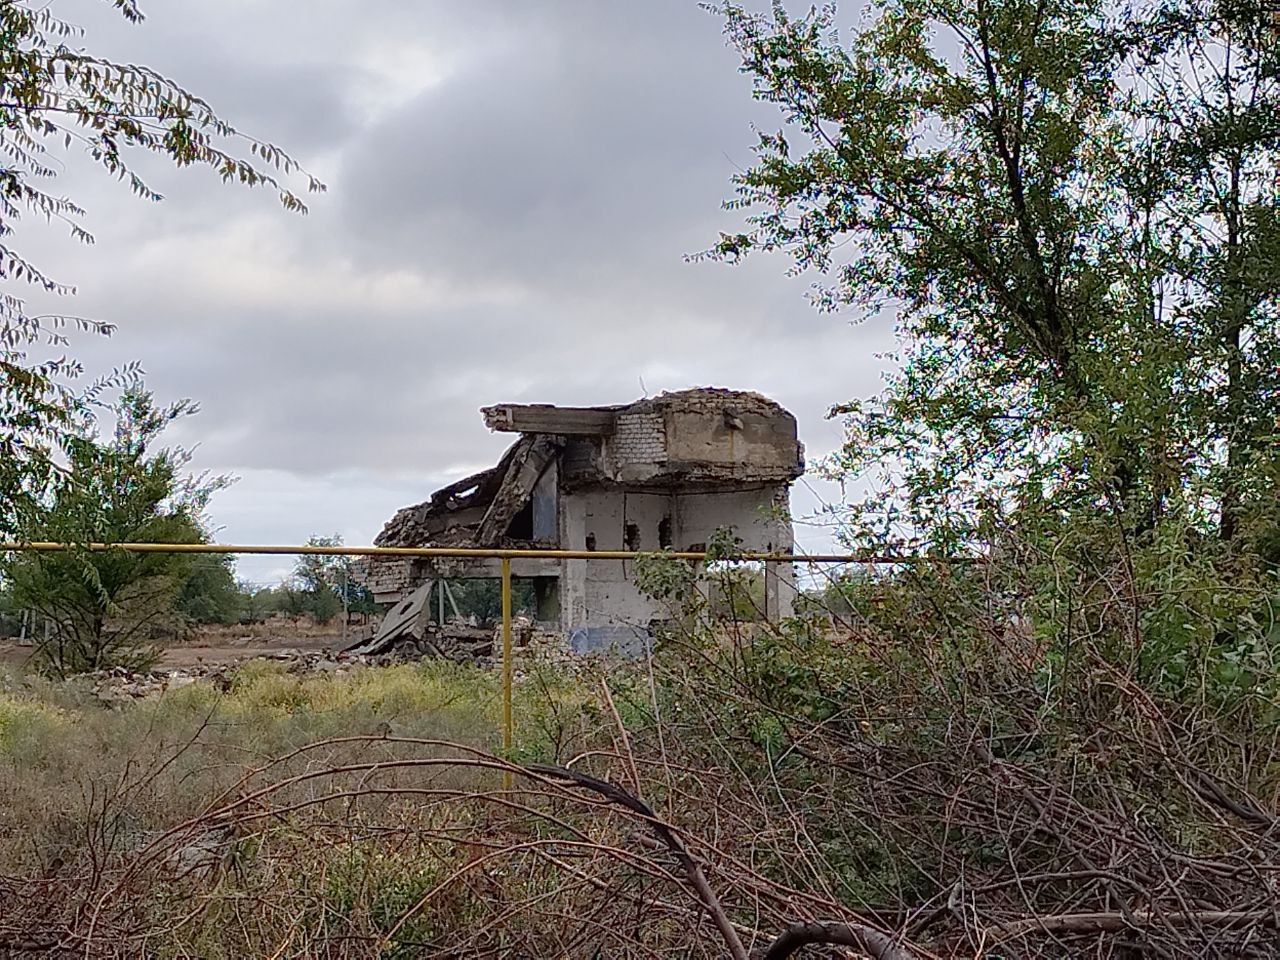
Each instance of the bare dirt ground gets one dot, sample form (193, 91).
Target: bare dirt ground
(14, 654)
(191, 654)
(218, 645)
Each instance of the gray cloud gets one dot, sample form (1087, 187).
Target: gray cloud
(581, 160)
(513, 187)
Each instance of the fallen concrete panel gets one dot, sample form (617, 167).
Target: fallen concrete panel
(402, 620)
(517, 487)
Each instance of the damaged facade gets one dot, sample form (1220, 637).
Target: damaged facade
(663, 472)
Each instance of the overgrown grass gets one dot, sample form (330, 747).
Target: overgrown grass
(119, 804)
(67, 759)
(935, 775)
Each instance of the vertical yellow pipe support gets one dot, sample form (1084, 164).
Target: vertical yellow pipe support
(507, 734)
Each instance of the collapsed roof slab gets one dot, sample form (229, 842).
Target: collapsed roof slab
(516, 489)
(477, 510)
(546, 418)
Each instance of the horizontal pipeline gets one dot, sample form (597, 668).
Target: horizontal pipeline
(467, 552)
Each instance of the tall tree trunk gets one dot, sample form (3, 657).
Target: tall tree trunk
(1234, 312)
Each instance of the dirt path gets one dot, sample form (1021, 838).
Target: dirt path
(13, 654)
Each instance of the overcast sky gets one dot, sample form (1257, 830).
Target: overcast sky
(512, 189)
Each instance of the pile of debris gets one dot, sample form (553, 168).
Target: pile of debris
(469, 645)
(409, 626)
(122, 685)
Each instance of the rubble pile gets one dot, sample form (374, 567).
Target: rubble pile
(530, 646)
(546, 648)
(120, 684)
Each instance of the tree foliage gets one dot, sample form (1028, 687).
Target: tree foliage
(1072, 209)
(316, 571)
(325, 581)
(103, 607)
(481, 599)
(58, 99)
(210, 593)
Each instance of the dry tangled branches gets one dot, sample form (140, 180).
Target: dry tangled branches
(907, 794)
(300, 854)
(559, 860)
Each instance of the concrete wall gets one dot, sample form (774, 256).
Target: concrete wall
(709, 436)
(760, 518)
(750, 512)
(602, 592)
(762, 445)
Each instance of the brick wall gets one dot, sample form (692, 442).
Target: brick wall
(386, 578)
(639, 438)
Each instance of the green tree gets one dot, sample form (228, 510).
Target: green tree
(325, 579)
(482, 598)
(11, 618)
(105, 607)
(323, 604)
(210, 593)
(292, 598)
(255, 603)
(57, 98)
(315, 571)
(1073, 210)
(360, 600)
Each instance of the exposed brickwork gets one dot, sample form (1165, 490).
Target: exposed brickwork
(640, 438)
(386, 576)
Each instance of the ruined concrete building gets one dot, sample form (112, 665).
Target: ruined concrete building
(663, 472)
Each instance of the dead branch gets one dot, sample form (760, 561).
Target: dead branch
(874, 943)
(697, 879)
(1090, 923)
